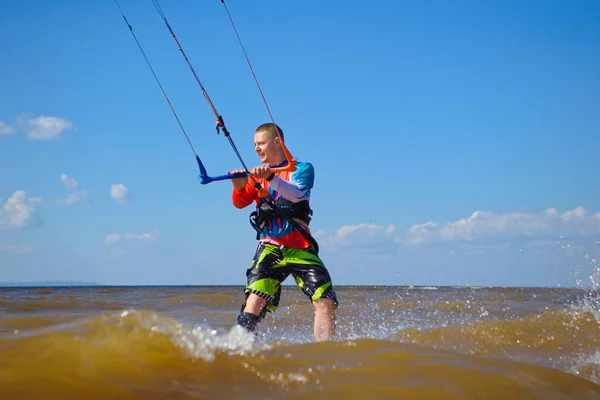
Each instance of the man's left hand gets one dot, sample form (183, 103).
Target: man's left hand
(262, 171)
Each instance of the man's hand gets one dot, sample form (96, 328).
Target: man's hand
(239, 183)
(262, 171)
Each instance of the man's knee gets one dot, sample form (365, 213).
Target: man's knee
(323, 304)
(327, 300)
(254, 304)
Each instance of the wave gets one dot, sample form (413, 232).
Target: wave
(145, 354)
(566, 339)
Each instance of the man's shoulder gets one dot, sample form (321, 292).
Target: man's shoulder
(305, 173)
(304, 166)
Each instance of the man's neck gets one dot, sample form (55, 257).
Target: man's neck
(277, 162)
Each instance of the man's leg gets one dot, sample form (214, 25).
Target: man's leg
(263, 286)
(324, 319)
(255, 304)
(250, 316)
(314, 280)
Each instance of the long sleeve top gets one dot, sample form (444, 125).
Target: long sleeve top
(293, 186)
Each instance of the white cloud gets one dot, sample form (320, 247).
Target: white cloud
(75, 194)
(18, 210)
(43, 127)
(5, 248)
(6, 130)
(538, 228)
(546, 224)
(359, 234)
(119, 192)
(363, 231)
(115, 238)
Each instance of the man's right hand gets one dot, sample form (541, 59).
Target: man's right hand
(239, 183)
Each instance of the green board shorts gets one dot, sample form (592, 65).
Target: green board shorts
(271, 266)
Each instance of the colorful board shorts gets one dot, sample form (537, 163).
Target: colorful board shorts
(271, 266)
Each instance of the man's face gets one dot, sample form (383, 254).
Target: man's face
(266, 146)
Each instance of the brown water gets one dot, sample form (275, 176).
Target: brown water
(391, 343)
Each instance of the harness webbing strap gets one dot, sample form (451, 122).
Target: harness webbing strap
(287, 210)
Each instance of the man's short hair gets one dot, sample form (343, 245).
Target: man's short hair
(271, 129)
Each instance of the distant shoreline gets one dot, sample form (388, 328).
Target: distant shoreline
(76, 284)
(50, 284)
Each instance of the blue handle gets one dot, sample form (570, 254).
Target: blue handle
(204, 178)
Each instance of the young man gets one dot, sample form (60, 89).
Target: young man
(285, 244)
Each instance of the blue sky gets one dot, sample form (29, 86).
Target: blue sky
(454, 143)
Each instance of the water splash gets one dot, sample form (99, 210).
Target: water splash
(198, 341)
(587, 277)
(205, 342)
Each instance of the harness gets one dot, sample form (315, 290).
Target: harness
(297, 214)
